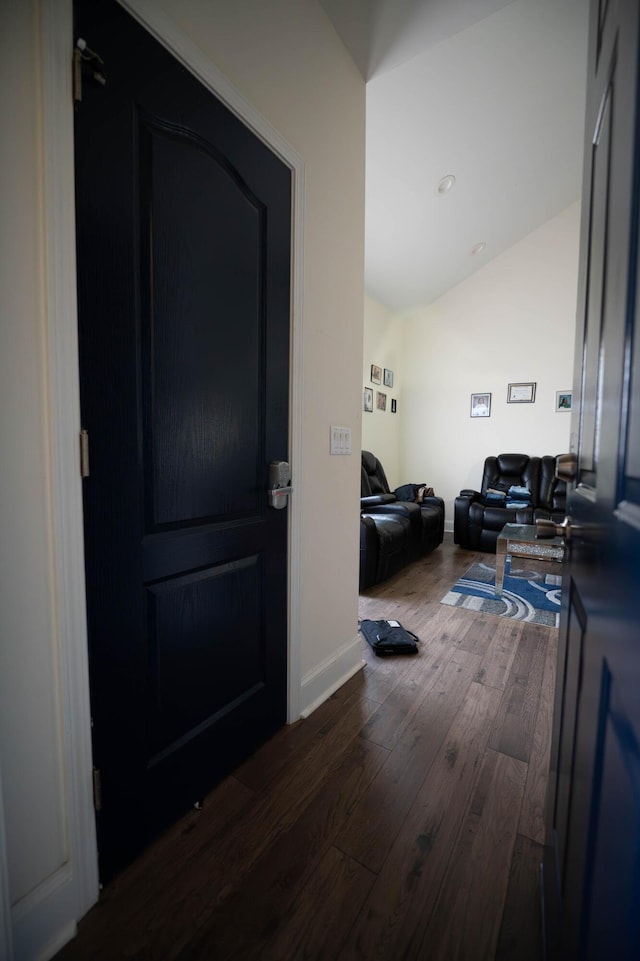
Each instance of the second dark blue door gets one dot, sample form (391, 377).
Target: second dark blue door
(592, 873)
(183, 243)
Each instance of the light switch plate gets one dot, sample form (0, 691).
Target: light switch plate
(340, 440)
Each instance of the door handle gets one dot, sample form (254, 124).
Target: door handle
(548, 528)
(566, 529)
(279, 484)
(278, 498)
(567, 467)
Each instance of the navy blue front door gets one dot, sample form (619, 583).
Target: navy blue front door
(183, 241)
(592, 873)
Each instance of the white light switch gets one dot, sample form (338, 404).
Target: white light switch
(340, 440)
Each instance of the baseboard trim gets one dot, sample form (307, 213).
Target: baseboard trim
(320, 683)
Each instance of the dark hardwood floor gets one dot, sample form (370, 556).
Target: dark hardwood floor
(402, 820)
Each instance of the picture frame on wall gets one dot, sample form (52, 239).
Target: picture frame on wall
(376, 374)
(564, 399)
(481, 405)
(388, 378)
(368, 399)
(394, 405)
(381, 400)
(521, 393)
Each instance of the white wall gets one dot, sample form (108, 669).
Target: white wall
(381, 430)
(512, 321)
(286, 60)
(30, 711)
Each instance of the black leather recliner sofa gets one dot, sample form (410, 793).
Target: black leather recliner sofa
(477, 522)
(393, 530)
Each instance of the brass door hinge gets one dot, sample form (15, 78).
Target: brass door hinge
(97, 789)
(85, 61)
(84, 453)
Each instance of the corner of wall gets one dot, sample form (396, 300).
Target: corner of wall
(382, 347)
(320, 683)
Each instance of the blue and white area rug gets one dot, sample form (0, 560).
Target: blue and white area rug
(530, 596)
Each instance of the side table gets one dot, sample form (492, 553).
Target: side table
(520, 540)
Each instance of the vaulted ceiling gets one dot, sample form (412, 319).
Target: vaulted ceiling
(489, 91)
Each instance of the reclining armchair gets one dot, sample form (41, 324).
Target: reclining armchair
(393, 529)
(479, 516)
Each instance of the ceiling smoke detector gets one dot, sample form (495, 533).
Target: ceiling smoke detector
(445, 184)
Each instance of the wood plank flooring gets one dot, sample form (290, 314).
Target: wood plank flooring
(401, 821)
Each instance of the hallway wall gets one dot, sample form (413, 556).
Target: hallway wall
(285, 59)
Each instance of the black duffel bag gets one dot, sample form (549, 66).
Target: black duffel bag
(389, 637)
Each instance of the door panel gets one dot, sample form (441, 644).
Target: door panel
(192, 193)
(194, 680)
(597, 252)
(617, 846)
(183, 245)
(572, 651)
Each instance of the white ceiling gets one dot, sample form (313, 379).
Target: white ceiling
(488, 90)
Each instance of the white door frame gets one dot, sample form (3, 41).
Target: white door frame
(6, 926)
(51, 918)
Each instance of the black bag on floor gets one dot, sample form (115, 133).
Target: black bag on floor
(389, 637)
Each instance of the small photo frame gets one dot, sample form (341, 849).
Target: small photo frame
(481, 405)
(563, 400)
(388, 378)
(521, 393)
(381, 400)
(394, 406)
(376, 374)
(368, 399)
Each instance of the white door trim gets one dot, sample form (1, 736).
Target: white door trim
(59, 212)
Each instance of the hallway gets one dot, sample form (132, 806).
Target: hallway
(402, 820)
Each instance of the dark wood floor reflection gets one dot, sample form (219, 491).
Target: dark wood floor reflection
(402, 820)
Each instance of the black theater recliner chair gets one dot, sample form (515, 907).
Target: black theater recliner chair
(393, 531)
(477, 522)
